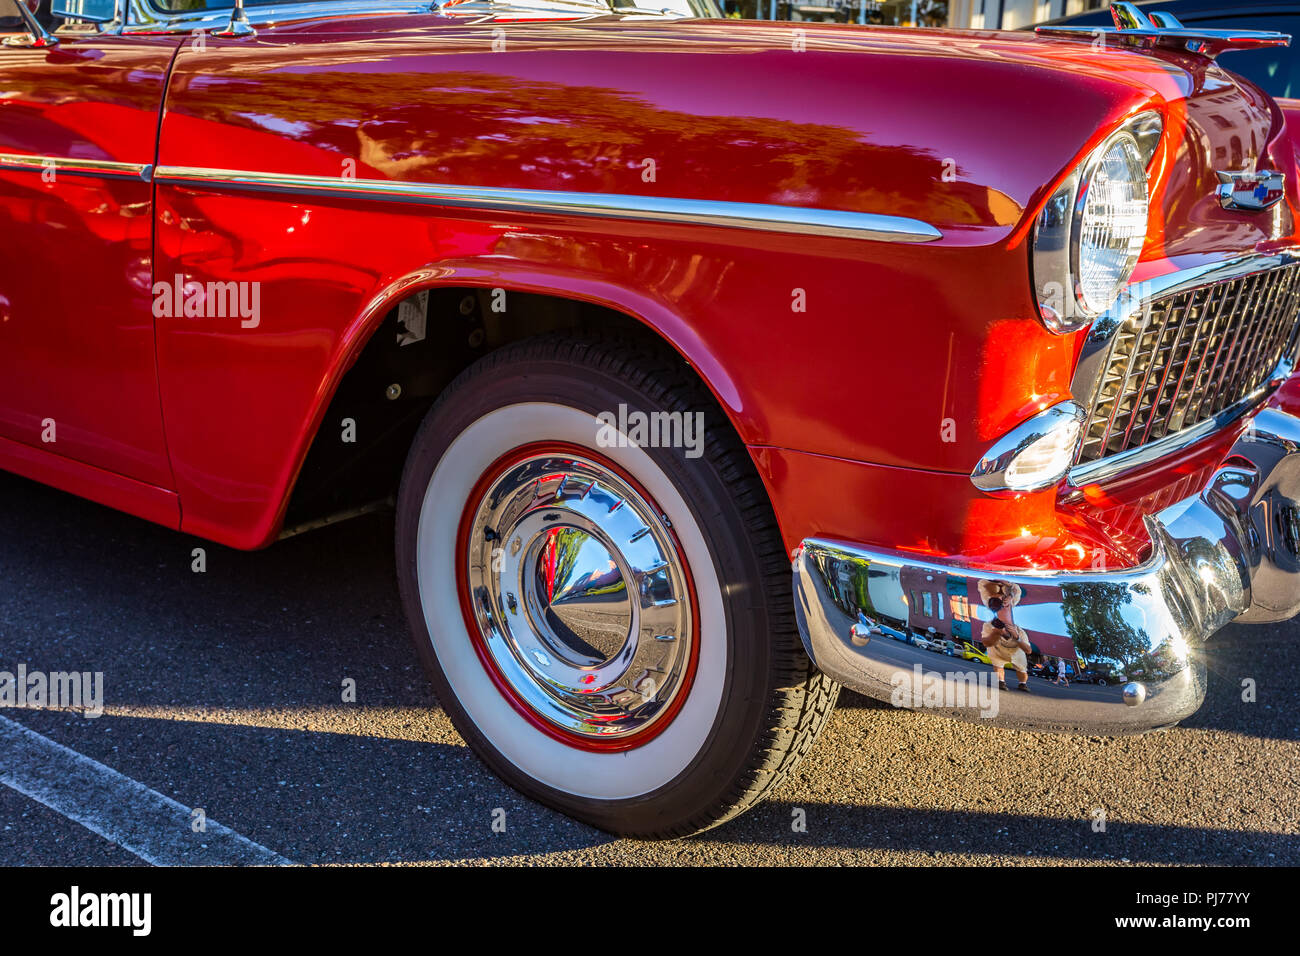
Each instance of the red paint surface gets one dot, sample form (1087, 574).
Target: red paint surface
(76, 325)
(846, 405)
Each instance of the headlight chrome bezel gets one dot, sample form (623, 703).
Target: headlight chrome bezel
(1056, 246)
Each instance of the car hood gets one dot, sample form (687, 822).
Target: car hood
(968, 131)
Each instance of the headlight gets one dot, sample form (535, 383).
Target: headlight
(1090, 233)
(1112, 223)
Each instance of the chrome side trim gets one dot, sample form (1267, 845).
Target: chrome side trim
(1137, 298)
(734, 215)
(99, 168)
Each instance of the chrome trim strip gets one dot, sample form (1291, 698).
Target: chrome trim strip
(735, 215)
(143, 17)
(1198, 277)
(99, 168)
(1096, 352)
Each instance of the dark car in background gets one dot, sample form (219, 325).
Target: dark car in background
(1276, 70)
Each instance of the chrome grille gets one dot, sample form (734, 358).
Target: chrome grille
(1187, 357)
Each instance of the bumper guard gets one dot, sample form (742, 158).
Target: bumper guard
(1229, 553)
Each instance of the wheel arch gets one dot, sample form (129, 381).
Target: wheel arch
(652, 313)
(627, 309)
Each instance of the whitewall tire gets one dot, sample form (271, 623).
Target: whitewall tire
(608, 625)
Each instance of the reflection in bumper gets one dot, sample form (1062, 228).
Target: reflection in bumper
(1231, 552)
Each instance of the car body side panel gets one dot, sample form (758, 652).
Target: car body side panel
(160, 505)
(785, 329)
(76, 325)
(245, 403)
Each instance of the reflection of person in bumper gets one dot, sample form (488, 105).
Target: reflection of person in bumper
(1003, 641)
(1006, 644)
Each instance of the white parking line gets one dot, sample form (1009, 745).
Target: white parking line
(154, 827)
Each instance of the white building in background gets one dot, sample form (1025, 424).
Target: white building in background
(1013, 14)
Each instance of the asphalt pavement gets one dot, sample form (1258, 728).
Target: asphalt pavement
(224, 690)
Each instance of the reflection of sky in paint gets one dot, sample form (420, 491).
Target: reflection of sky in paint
(289, 128)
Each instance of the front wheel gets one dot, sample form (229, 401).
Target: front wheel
(598, 591)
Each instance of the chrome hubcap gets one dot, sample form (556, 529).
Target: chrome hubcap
(580, 597)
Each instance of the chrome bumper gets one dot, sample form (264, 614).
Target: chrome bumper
(1230, 553)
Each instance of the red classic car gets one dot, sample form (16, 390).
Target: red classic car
(625, 310)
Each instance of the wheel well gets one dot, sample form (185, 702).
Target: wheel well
(422, 344)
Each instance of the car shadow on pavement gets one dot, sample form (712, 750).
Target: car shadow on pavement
(1016, 833)
(171, 619)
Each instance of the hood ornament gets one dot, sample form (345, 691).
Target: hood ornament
(1249, 191)
(1159, 29)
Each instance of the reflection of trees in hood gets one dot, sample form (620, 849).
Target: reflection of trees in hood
(1095, 622)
